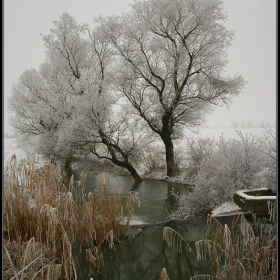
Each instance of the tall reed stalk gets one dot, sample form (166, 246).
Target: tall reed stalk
(247, 251)
(40, 210)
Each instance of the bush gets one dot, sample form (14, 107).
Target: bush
(154, 158)
(198, 151)
(268, 175)
(232, 165)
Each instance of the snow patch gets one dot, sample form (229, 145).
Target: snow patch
(226, 207)
(252, 197)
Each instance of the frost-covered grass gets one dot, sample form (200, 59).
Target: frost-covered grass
(245, 251)
(43, 209)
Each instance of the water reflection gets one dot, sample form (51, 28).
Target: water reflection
(157, 201)
(135, 186)
(142, 255)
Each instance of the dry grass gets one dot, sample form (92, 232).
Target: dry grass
(41, 212)
(29, 260)
(163, 275)
(239, 254)
(235, 254)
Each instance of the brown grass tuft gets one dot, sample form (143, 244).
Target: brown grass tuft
(41, 212)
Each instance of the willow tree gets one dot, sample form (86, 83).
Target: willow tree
(42, 100)
(68, 102)
(171, 57)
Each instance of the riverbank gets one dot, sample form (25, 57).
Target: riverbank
(159, 175)
(11, 146)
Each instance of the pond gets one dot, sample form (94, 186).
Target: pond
(144, 253)
(157, 202)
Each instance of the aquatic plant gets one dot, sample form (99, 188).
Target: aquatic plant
(29, 260)
(244, 252)
(41, 210)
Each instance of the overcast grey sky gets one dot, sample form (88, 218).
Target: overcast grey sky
(253, 53)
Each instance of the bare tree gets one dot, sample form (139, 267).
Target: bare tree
(171, 56)
(66, 46)
(69, 102)
(109, 135)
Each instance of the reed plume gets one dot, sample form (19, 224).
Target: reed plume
(234, 254)
(42, 211)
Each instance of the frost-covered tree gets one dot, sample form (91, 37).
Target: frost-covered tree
(67, 47)
(26, 94)
(109, 135)
(171, 61)
(69, 102)
(43, 99)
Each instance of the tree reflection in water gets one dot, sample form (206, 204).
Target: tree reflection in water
(144, 253)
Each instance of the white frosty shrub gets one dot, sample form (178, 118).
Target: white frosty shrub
(268, 175)
(236, 164)
(198, 150)
(154, 158)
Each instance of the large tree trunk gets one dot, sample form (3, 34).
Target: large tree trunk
(128, 167)
(165, 135)
(122, 163)
(169, 155)
(134, 173)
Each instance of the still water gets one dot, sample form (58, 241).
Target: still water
(157, 202)
(144, 253)
(141, 256)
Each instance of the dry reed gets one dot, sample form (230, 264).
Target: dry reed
(235, 254)
(39, 210)
(163, 275)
